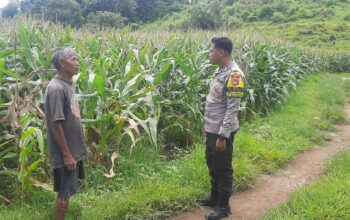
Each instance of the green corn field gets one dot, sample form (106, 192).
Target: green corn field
(136, 89)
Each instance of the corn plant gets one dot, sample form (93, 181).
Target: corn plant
(132, 86)
(32, 152)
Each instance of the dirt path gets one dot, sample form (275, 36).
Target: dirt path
(272, 190)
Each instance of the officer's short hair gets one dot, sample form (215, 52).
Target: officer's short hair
(62, 53)
(223, 43)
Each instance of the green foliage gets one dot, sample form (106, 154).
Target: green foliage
(266, 11)
(273, 72)
(346, 87)
(131, 88)
(347, 18)
(127, 8)
(93, 6)
(106, 19)
(77, 13)
(332, 95)
(206, 16)
(32, 152)
(9, 11)
(147, 186)
(278, 17)
(326, 199)
(65, 11)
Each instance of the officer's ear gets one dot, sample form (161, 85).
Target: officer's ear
(222, 52)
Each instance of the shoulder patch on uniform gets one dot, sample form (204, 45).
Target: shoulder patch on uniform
(235, 79)
(235, 84)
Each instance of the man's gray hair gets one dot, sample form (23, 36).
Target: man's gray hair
(62, 53)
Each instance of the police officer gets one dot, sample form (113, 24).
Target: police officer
(221, 124)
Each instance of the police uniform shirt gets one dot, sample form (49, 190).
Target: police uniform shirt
(223, 101)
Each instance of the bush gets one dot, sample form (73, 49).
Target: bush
(205, 16)
(278, 17)
(341, 28)
(106, 19)
(266, 11)
(347, 17)
(252, 18)
(233, 22)
(306, 14)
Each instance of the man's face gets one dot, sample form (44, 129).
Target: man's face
(215, 54)
(71, 65)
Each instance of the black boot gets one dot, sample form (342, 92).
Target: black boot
(219, 212)
(211, 202)
(213, 199)
(222, 209)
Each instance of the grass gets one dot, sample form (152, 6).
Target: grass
(331, 33)
(326, 199)
(346, 83)
(149, 186)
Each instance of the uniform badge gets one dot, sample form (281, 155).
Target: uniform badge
(216, 90)
(235, 85)
(235, 80)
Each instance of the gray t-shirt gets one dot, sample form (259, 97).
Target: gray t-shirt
(61, 105)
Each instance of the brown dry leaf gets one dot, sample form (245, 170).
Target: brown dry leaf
(133, 125)
(45, 186)
(133, 140)
(5, 199)
(111, 172)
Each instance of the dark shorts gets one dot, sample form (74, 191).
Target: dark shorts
(66, 183)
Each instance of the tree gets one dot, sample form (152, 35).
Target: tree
(266, 11)
(106, 19)
(127, 8)
(206, 16)
(145, 10)
(64, 11)
(9, 11)
(93, 6)
(33, 7)
(149, 10)
(230, 2)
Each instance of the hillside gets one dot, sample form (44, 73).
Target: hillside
(311, 23)
(319, 23)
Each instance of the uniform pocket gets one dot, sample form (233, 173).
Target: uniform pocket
(217, 91)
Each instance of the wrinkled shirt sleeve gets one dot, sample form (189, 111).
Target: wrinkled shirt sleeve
(234, 91)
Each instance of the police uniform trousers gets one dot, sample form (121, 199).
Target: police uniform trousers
(220, 168)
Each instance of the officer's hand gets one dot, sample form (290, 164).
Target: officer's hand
(220, 144)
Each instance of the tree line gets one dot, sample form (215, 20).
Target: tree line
(113, 13)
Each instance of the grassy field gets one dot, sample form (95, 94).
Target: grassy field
(326, 199)
(147, 185)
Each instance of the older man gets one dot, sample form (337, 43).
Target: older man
(64, 129)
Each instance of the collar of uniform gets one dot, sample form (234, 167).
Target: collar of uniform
(224, 69)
